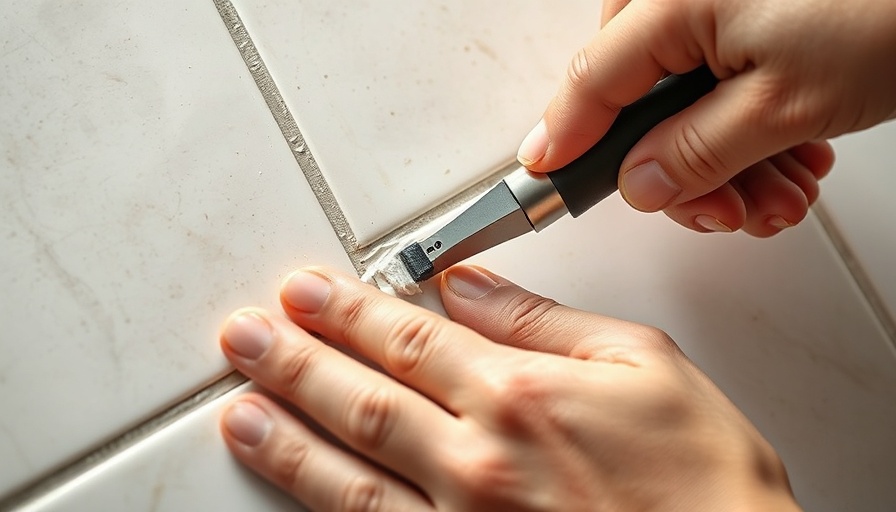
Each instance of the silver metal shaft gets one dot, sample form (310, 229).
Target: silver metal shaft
(520, 203)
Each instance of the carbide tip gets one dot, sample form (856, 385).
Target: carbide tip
(418, 265)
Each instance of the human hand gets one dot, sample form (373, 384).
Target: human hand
(748, 155)
(518, 404)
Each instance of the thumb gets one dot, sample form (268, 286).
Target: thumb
(615, 69)
(752, 114)
(507, 314)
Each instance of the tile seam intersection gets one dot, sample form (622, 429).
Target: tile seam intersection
(360, 255)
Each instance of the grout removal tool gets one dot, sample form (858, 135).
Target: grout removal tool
(525, 201)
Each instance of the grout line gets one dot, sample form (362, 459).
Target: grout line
(119, 444)
(359, 255)
(859, 275)
(369, 253)
(287, 124)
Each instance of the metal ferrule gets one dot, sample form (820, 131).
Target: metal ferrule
(537, 197)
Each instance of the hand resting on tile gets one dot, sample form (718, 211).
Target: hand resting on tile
(516, 403)
(748, 155)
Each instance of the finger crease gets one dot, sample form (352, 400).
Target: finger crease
(296, 367)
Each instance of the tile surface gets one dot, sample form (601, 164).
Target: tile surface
(777, 323)
(146, 193)
(184, 467)
(403, 103)
(857, 195)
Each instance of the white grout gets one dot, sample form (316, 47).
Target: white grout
(287, 124)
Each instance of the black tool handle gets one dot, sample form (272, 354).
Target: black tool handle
(594, 175)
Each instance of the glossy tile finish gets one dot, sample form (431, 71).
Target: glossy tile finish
(147, 192)
(403, 103)
(777, 323)
(184, 467)
(858, 196)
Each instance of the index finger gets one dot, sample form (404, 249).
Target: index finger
(416, 346)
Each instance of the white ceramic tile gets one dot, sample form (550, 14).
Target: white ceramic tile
(184, 467)
(146, 193)
(404, 103)
(777, 323)
(858, 195)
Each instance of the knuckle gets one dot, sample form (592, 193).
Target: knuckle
(578, 73)
(528, 316)
(289, 462)
(484, 474)
(698, 157)
(780, 103)
(654, 337)
(296, 365)
(408, 343)
(791, 115)
(521, 398)
(778, 107)
(800, 115)
(370, 417)
(363, 494)
(579, 77)
(636, 346)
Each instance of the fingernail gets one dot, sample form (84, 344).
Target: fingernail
(469, 282)
(534, 145)
(711, 223)
(776, 221)
(247, 423)
(248, 334)
(306, 291)
(647, 187)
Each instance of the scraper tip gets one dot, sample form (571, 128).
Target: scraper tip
(417, 264)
